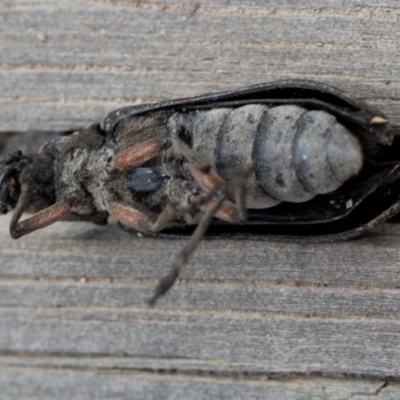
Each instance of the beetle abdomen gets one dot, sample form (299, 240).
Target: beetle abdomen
(299, 154)
(294, 153)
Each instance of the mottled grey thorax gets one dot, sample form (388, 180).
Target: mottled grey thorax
(83, 175)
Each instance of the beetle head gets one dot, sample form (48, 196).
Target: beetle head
(10, 188)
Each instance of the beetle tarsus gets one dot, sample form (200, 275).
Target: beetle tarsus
(163, 287)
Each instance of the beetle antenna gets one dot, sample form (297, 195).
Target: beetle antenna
(183, 257)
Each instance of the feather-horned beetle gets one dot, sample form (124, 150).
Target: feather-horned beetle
(287, 160)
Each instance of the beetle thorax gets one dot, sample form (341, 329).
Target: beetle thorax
(83, 177)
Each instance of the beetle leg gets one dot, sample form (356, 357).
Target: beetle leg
(215, 205)
(226, 212)
(129, 216)
(140, 153)
(41, 219)
(173, 210)
(182, 258)
(211, 181)
(97, 217)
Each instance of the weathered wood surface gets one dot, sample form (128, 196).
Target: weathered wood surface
(249, 319)
(99, 385)
(72, 316)
(65, 64)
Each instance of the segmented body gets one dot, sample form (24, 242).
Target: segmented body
(294, 153)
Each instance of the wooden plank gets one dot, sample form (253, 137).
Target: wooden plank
(73, 289)
(135, 52)
(94, 384)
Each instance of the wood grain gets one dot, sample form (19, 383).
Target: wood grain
(77, 290)
(64, 65)
(94, 384)
(249, 319)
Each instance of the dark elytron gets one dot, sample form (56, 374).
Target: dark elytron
(288, 160)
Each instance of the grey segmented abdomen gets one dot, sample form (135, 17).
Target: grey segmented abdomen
(299, 154)
(294, 153)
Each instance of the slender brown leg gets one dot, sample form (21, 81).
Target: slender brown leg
(96, 217)
(40, 220)
(140, 153)
(227, 212)
(182, 258)
(209, 180)
(129, 216)
(44, 218)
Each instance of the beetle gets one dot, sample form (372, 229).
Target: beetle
(291, 160)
